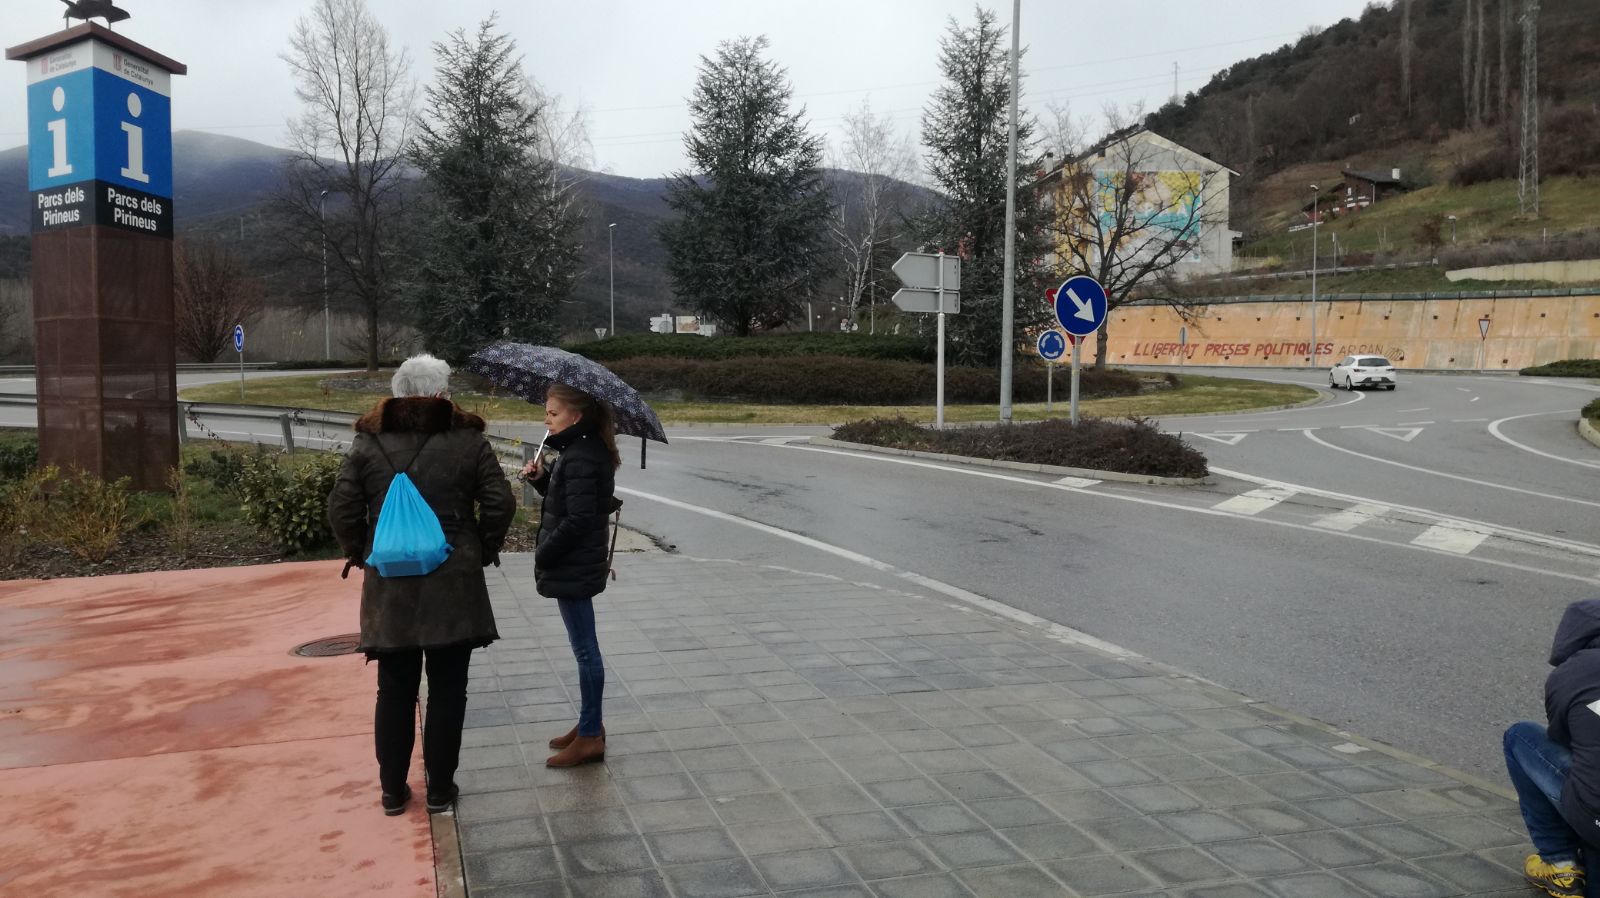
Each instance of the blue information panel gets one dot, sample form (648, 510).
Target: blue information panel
(1081, 305)
(238, 338)
(1052, 345)
(99, 142)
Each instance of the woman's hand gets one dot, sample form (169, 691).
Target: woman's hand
(533, 470)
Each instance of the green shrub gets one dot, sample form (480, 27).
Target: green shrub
(1135, 447)
(19, 456)
(286, 497)
(856, 381)
(222, 468)
(1565, 368)
(22, 506)
(89, 516)
(886, 347)
(1592, 411)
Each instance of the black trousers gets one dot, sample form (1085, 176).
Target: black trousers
(394, 728)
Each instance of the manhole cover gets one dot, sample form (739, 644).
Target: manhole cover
(333, 645)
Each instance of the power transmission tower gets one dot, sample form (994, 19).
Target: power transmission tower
(1528, 168)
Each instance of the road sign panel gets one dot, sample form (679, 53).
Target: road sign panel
(922, 270)
(909, 299)
(1052, 345)
(238, 338)
(1483, 328)
(1081, 305)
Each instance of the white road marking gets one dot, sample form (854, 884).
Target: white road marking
(781, 441)
(1499, 486)
(1255, 501)
(1054, 629)
(1468, 420)
(1229, 439)
(1352, 517)
(1450, 537)
(1415, 423)
(1403, 434)
(1404, 410)
(1494, 431)
(1464, 389)
(1077, 482)
(1523, 535)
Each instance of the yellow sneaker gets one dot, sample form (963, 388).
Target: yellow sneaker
(1563, 880)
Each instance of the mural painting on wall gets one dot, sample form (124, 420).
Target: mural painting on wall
(1223, 351)
(1165, 200)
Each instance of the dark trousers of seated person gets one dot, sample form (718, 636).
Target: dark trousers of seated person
(395, 727)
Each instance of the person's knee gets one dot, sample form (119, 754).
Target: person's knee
(1522, 732)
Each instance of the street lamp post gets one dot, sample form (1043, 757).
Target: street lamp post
(612, 275)
(327, 330)
(1452, 228)
(1315, 217)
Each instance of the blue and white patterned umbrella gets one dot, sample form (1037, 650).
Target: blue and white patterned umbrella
(528, 371)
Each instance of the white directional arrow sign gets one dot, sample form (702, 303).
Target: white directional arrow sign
(1085, 309)
(922, 270)
(910, 299)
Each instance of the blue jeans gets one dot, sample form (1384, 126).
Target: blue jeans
(578, 615)
(1538, 768)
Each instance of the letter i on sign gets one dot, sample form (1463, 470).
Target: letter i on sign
(58, 137)
(135, 169)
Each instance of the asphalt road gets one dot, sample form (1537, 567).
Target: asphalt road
(1392, 563)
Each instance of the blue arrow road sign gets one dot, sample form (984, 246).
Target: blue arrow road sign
(1052, 345)
(238, 338)
(1081, 305)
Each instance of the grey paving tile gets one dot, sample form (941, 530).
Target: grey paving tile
(1051, 841)
(548, 888)
(878, 768)
(717, 783)
(858, 890)
(497, 806)
(616, 854)
(959, 851)
(1475, 832)
(1396, 880)
(716, 879)
(869, 826)
(1156, 798)
(935, 885)
(1470, 872)
(1015, 881)
(881, 860)
(593, 793)
(935, 819)
(1226, 890)
(1258, 857)
(662, 787)
(783, 835)
(1322, 885)
(573, 826)
(1101, 875)
(664, 816)
(1332, 848)
(524, 832)
(654, 763)
(831, 798)
(1130, 833)
(692, 846)
(977, 785)
(1345, 812)
(511, 866)
(814, 773)
(495, 779)
(1114, 773)
(1204, 826)
(1001, 813)
(786, 871)
(754, 807)
(1085, 805)
(1275, 818)
(1181, 866)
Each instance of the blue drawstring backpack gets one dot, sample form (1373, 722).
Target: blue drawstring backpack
(408, 541)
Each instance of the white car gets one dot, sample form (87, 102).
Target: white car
(1362, 371)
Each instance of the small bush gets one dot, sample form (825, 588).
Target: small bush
(19, 456)
(286, 497)
(1592, 410)
(222, 468)
(22, 505)
(885, 347)
(834, 379)
(1565, 368)
(89, 516)
(1135, 447)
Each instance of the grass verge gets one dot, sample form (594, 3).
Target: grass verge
(1196, 394)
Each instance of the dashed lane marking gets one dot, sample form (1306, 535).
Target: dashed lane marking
(1255, 501)
(1451, 537)
(1352, 517)
(1077, 482)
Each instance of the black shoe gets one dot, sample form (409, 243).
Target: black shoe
(395, 805)
(440, 801)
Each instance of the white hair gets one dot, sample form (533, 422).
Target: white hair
(421, 375)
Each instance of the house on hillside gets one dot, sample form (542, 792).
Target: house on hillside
(1145, 199)
(1356, 190)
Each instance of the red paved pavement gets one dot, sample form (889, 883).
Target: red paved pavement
(157, 737)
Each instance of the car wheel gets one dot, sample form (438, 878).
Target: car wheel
(1390, 386)
(1332, 384)
(1349, 385)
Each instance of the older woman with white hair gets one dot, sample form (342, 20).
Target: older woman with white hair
(438, 618)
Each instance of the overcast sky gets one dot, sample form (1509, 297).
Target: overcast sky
(631, 63)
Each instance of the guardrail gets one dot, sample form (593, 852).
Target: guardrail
(28, 370)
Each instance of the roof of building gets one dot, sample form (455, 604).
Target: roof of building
(1376, 177)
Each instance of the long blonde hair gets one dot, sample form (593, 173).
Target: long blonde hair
(594, 411)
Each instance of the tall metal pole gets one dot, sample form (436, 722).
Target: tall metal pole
(327, 330)
(1008, 289)
(1314, 221)
(612, 276)
(938, 399)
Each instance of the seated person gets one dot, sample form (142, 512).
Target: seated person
(1556, 772)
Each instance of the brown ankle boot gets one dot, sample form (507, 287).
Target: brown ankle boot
(582, 750)
(560, 742)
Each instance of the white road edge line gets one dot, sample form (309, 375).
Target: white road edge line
(1578, 548)
(1059, 631)
(1494, 431)
(1400, 464)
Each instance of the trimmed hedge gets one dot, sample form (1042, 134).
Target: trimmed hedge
(887, 347)
(851, 381)
(1592, 411)
(1566, 368)
(1135, 447)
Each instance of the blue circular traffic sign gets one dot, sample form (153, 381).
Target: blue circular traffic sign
(1081, 305)
(1052, 345)
(238, 338)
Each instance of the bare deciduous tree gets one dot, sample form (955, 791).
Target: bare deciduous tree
(868, 205)
(348, 150)
(1130, 212)
(211, 292)
(563, 140)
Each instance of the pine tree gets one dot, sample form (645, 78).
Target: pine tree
(747, 244)
(964, 130)
(497, 247)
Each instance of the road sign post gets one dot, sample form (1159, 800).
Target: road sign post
(1483, 342)
(1081, 309)
(1183, 346)
(1051, 347)
(932, 284)
(238, 346)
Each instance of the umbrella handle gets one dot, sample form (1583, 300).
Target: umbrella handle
(644, 446)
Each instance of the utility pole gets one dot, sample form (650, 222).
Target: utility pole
(1009, 288)
(1315, 217)
(1528, 167)
(327, 329)
(612, 276)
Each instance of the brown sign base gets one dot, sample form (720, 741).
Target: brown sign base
(105, 353)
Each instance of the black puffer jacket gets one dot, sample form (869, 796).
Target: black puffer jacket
(570, 561)
(1572, 704)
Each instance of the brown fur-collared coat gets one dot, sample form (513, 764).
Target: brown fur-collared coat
(460, 477)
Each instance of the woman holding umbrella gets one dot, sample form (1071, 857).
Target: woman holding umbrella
(571, 559)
